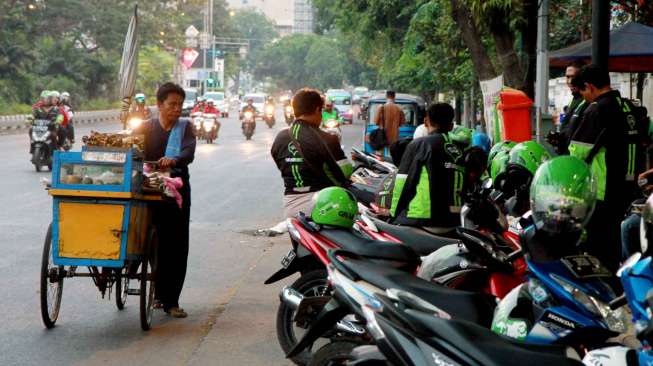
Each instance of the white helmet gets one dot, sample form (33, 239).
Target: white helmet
(55, 94)
(210, 101)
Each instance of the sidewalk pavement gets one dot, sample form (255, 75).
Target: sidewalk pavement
(244, 330)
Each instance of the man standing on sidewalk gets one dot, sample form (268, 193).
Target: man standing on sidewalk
(390, 117)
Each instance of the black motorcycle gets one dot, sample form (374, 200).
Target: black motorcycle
(268, 117)
(249, 125)
(43, 143)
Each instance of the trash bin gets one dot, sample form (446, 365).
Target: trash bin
(515, 107)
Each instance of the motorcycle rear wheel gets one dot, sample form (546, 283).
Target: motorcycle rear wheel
(333, 354)
(310, 284)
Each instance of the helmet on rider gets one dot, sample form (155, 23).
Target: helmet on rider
(528, 154)
(462, 135)
(139, 98)
(210, 101)
(334, 206)
(250, 101)
(500, 146)
(65, 96)
(44, 94)
(55, 97)
(563, 195)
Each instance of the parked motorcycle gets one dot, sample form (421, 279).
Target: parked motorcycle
(268, 117)
(211, 127)
(249, 125)
(42, 142)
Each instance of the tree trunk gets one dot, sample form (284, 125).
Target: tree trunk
(529, 39)
(458, 109)
(504, 41)
(471, 35)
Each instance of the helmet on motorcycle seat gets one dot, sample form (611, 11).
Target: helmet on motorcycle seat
(139, 98)
(500, 146)
(498, 164)
(334, 206)
(529, 155)
(462, 135)
(563, 195)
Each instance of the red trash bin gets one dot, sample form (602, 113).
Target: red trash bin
(515, 106)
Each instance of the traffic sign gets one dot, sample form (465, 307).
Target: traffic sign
(191, 32)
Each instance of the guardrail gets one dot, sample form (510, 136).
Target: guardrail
(19, 121)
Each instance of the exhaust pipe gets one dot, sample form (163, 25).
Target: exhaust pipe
(291, 297)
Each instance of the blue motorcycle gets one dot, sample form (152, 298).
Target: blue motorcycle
(564, 301)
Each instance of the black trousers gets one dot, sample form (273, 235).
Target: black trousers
(172, 225)
(604, 235)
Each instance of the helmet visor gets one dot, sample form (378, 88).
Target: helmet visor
(556, 209)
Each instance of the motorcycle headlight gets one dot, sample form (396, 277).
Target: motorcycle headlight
(40, 136)
(208, 125)
(133, 123)
(617, 320)
(288, 109)
(197, 122)
(269, 109)
(248, 115)
(331, 124)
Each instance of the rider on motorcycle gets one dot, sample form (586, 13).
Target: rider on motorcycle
(308, 158)
(139, 107)
(200, 106)
(68, 109)
(49, 111)
(210, 107)
(329, 113)
(435, 164)
(249, 108)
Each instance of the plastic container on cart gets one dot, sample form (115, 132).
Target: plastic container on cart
(515, 107)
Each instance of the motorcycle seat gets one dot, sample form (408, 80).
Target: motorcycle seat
(472, 306)
(422, 242)
(371, 249)
(489, 348)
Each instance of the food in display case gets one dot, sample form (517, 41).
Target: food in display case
(98, 174)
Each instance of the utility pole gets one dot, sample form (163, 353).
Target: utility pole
(600, 33)
(542, 79)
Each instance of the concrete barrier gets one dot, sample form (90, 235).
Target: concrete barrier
(19, 121)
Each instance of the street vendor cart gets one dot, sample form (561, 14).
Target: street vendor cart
(102, 222)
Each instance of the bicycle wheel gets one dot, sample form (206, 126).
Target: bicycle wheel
(51, 284)
(147, 278)
(122, 287)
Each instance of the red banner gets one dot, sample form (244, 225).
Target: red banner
(188, 56)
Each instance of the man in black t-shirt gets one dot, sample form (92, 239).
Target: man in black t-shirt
(308, 158)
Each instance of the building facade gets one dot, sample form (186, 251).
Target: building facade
(279, 11)
(304, 17)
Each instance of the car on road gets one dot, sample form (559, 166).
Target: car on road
(189, 101)
(220, 102)
(358, 94)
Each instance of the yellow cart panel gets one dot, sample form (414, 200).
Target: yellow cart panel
(90, 230)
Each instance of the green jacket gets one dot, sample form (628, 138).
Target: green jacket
(609, 124)
(327, 116)
(429, 184)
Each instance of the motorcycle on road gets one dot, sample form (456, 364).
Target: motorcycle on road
(210, 126)
(288, 114)
(197, 119)
(268, 117)
(42, 143)
(249, 124)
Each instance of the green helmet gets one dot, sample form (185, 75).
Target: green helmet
(334, 206)
(462, 135)
(500, 146)
(563, 195)
(529, 154)
(499, 164)
(45, 94)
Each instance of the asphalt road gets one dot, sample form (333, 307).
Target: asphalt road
(236, 189)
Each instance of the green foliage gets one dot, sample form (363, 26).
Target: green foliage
(154, 68)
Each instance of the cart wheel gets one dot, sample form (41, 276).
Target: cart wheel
(122, 287)
(51, 284)
(147, 277)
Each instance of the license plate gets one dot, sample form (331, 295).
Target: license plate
(40, 129)
(585, 266)
(288, 258)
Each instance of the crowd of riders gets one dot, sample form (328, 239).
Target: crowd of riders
(56, 107)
